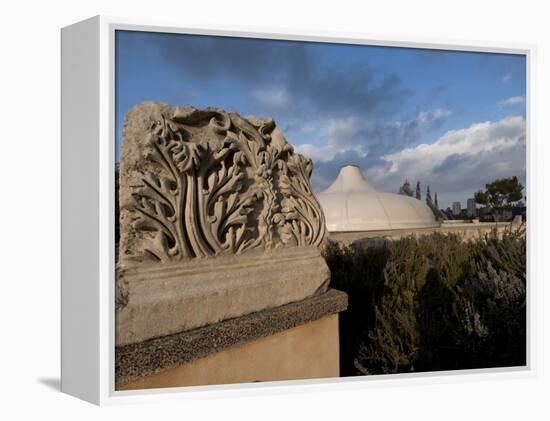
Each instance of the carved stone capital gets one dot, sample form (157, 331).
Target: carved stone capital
(202, 183)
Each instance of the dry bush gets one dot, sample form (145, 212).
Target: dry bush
(432, 303)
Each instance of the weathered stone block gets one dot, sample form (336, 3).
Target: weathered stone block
(217, 220)
(201, 183)
(157, 301)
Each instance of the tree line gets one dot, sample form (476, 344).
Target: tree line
(433, 204)
(500, 195)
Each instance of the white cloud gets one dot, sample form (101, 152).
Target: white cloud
(508, 102)
(478, 138)
(355, 134)
(327, 152)
(426, 117)
(460, 160)
(272, 97)
(506, 77)
(340, 135)
(343, 130)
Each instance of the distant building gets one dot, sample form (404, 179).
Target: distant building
(471, 206)
(456, 208)
(351, 204)
(521, 210)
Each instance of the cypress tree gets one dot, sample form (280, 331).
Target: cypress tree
(405, 189)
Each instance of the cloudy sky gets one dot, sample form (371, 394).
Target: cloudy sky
(453, 120)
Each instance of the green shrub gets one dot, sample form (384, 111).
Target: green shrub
(432, 303)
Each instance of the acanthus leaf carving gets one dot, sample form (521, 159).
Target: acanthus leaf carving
(217, 183)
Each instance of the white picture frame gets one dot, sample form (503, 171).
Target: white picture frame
(88, 139)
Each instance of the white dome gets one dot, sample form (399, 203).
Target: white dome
(351, 204)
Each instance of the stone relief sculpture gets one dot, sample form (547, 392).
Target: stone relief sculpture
(217, 221)
(198, 183)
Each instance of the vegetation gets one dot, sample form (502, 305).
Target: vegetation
(428, 197)
(432, 303)
(500, 195)
(434, 207)
(406, 189)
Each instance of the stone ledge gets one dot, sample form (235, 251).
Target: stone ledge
(160, 300)
(308, 351)
(153, 356)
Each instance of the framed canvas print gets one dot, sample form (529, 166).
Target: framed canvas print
(242, 210)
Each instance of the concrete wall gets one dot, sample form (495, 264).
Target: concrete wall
(307, 351)
(468, 231)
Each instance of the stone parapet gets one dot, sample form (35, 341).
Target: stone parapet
(137, 361)
(159, 300)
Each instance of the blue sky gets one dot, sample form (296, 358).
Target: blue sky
(453, 120)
